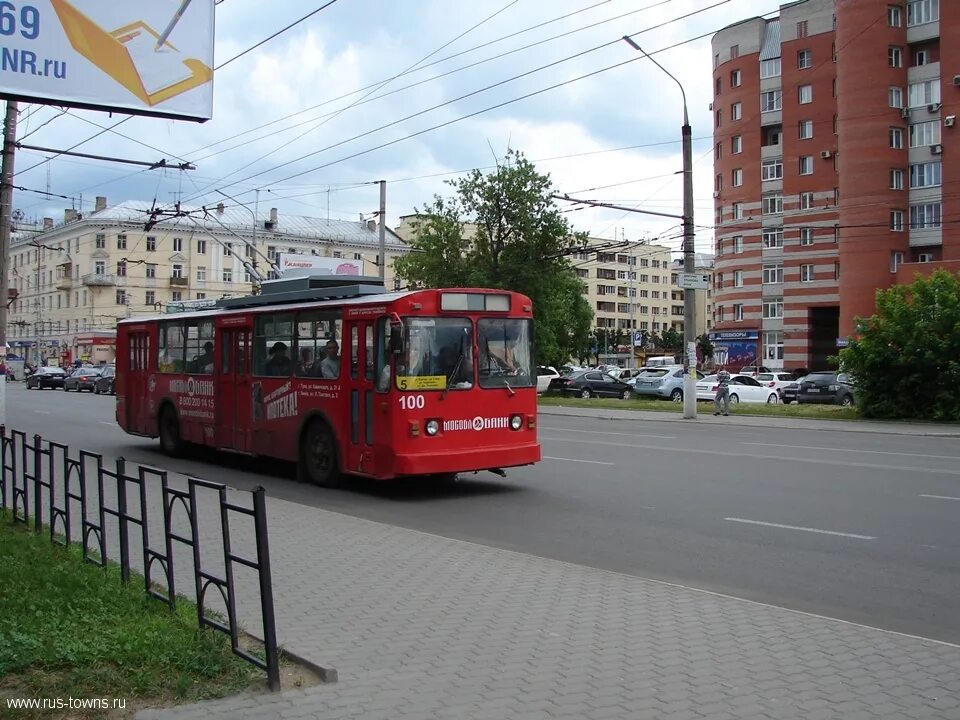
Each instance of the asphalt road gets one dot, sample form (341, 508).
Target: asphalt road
(855, 526)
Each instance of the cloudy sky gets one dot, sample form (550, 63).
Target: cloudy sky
(367, 73)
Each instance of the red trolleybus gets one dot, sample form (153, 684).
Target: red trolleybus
(339, 379)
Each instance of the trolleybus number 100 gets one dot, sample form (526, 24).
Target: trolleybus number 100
(412, 402)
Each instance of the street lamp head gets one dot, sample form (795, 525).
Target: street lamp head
(631, 43)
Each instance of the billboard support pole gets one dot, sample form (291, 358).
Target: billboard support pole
(382, 255)
(6, 211)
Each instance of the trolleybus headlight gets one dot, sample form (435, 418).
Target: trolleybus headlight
(432, 427)
(516, 422)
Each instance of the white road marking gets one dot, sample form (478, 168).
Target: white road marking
(42, 412)
(804, 529)
(854, 450)
(941, 497)
(592, 462)
(104, 422)
(603, 432)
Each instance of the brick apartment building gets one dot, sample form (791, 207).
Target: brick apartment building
(832, 132)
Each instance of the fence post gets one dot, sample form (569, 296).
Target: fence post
(266, 588)
(37, 472)
(122, 519)
(3, 467)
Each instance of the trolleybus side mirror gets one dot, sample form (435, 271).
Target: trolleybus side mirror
(396, 338)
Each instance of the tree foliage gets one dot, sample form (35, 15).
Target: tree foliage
(502, 230)
(670, 339)
(906, 360)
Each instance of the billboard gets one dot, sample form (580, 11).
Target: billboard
(292, 265)
(147, 57)
(735, 349)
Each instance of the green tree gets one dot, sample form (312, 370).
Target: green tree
(520, 243)
(670, 339)
(905, 361)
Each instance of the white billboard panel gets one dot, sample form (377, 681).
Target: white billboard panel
(292, 265)
(150, 57)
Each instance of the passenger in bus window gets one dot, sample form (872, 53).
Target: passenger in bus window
(204, 361)
(330, 365)
(279, 364)
(306, 367)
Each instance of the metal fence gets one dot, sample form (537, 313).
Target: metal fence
(71, 497)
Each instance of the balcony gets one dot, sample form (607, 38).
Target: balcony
(65, 283)
(99, 280)
(179, 282)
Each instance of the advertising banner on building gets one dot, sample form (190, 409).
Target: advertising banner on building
(149, 57)
(735, 348)
(292, 265)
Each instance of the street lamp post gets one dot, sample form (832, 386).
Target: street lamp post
(689, 296)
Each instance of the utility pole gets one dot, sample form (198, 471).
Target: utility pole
(382, 256)
(6, 210)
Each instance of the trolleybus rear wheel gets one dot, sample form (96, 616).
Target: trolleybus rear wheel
(318, 456)
(169, 427)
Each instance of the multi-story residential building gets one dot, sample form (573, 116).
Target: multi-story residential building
(831, 132)
(703, 265)
(74, 281)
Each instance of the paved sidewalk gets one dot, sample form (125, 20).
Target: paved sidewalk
(421, 627)
(881, 427)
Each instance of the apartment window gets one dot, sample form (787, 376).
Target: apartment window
(738, 311)
(101, 241)
(922, 11)
(806, 236)
(176, 296)
(924, 257)
(121, 242)
(771, 170)
(228, 250)
(895, 56)
(925, 216)
(926, 175)
(736, 79)
(806, 273)
(773, 237)
(178, 244)
(773, 345)
(924, 133)
(896, 220)
(176, 271)
(896, 260)
(770, 68)
(201, 296)
(836, 271)
(716, 86)
(719, 117)
(773, 308)
(99, 268)
(896, 179)
(718, 182)
(772, 204)
(806, 164)
(227, 275)
(734, 51)
(737, 244)
(151, 271)
(150, 297)
(738, 211)
(926, 92)
(921, 57)
(122, 268)
(201, 274)
(736, 144)
(806, 129)
(151, 243)
(121, 297)
(736, 111)
(738, 278)
(804, 59)
(771, 101)
(895, 138)
(805, 94)
(802, 29)
(894, 16)
(806, 200)
(773, 274)
(201, 247)
(895, 97)
(737, 179)
(718, 151)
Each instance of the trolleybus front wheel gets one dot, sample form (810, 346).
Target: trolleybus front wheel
(318, 456)
(169, 426)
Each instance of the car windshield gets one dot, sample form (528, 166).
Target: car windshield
(438, 352)
(820, 377)
(766, 376)
(659, 372)
(506, 353)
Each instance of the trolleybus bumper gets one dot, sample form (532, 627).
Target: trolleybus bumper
(489, 458)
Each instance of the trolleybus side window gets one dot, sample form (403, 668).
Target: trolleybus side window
(438, 353)
(506, 353)
(368, 357)
(318, 344)
(382, 356)
(199, 347)
(171, 348)
(273, 345)
(354, 351)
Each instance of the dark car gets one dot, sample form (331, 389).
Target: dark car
(827, 387)
(105, 384)
(46, 377)
(788, 393)
(82, 379)
(591, 383)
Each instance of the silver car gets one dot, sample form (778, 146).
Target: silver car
(662, 382)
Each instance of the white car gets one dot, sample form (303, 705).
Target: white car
(743, 389)
(545, 374)
(776, 380)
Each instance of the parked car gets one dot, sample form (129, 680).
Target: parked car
(590, 383)
(545, 374)
(777, 380)
(754, 370)
(743, 388)
(82, 379)
(106, 383)
(46, 377)
(789, 392)
(623, 373)
(662, 382)
(827, 387)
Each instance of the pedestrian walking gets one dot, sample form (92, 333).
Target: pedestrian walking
(722, 398)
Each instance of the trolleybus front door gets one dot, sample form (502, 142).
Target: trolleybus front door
(234, 402)
(360, 457)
